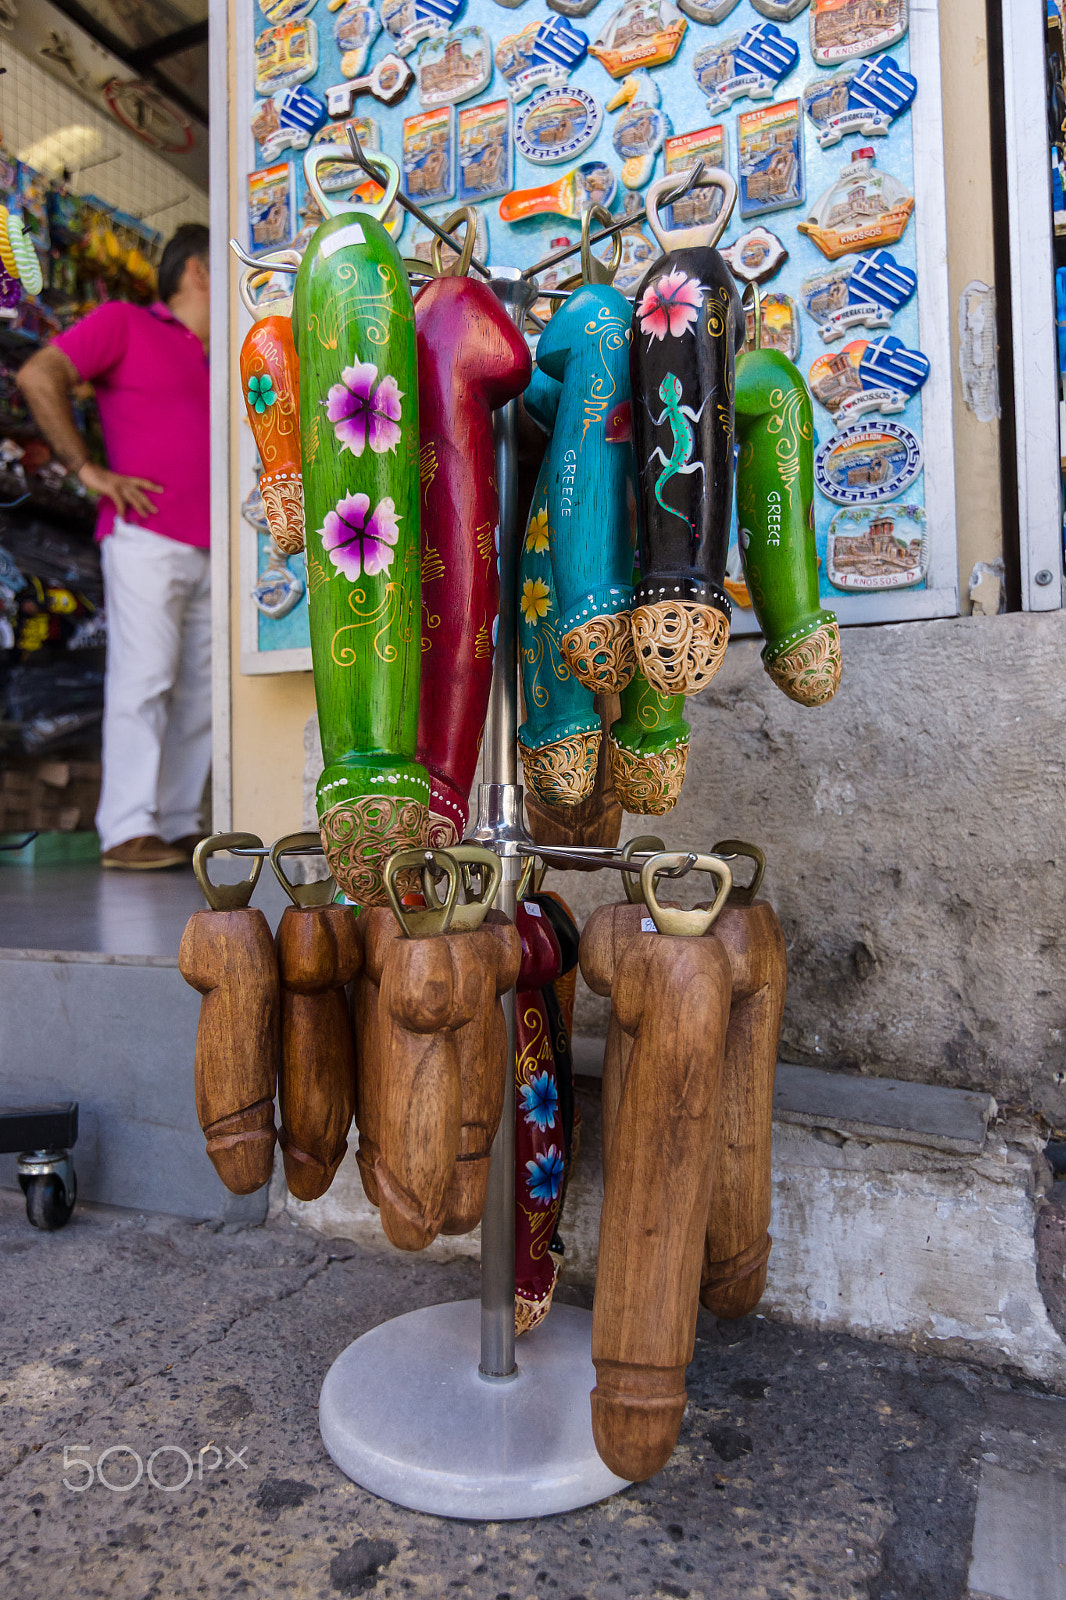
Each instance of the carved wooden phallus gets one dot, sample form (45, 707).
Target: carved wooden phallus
(471, 360)
(687, 328)
(353, 323)
(270, 380)
(539, 1142)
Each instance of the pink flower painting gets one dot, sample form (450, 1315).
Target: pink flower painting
(670, 305)
(364, 410)
(358, 544)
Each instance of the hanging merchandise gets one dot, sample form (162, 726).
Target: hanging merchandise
(486, 151)
(687, 327)
(780, 325)
(287, 121)
(770, 158)
(455, 66)
(641, 33)
(471, 360)
(585, 347)
(278, 590)
(271, 383)
(680, 155)
(388, 82)
(542, 56)
(867, 462)
(429, 156)
(867, 375)
(880, 547)
(755, 256)
(775, 495)
(539, 1143)
(353, 324)
(591, 184)
(285, 56)
(710, 12)
(355, 28)
(559, 741)
(409, 22)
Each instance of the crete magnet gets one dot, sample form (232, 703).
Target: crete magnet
(271, 207)
(755, 256)
(557, 125)
(642, 33)
(700, 206)
(747, 65)
(886, 548)
(770, 159)
(429, 155)
(285, 56)
(711, 12)
(278, 11)
(868, 462)
(388, 82)
(859, 100)
(410, 21)
(780, 10)
(641, 130)
(867, 375)
(542, 56)
(591, 184)
(287, 121)
(355, 28)
(844, 29)
(486, 154)
(858, 294)
(863, 207)
(454, 67)
(779, 327)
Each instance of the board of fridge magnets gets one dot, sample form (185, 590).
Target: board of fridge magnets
(828, 115)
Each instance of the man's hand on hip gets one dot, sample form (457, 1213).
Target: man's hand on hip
(125, 493)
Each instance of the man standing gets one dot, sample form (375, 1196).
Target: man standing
(148, 366)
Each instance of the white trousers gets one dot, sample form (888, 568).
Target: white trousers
(157, 686)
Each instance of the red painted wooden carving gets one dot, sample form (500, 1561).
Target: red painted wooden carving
(539, 1145)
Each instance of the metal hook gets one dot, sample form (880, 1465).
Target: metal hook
(372, 171)
(260, 263)
(756, 302)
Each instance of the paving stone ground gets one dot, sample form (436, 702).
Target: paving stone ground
(809, 1467)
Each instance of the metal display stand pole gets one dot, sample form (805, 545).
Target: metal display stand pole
(404, 1411)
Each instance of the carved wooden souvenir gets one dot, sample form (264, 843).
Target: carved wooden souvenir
(227, 955)
(687, 328)
(539, 1142)
(270, 379)
(471, 360)
(559, 741)
(671, 997)
(353, 322)
(738, 1239)
(649, 749)
(559, 1007)
(775, 516)
(590, 465)
(380, 930)
(319, 949)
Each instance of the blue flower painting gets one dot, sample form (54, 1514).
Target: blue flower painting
(540, 1101)
(545, 1175)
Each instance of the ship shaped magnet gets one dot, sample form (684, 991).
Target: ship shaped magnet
(864, 293)
(455, 66)
(748, 65)
(867, 375)
(867, 463)
(409, 22)
(755, 256)
(641, 130)
(355, 28)
(861, 100)
(882, 548)
(557, 125)
(844, 29)
(542, 56)
(863, 207)
(641, 33)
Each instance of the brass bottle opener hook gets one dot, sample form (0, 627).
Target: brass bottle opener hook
(320, 891)
(227, 896)
(756, 304)
(417, 922)
(671, 919)
(631, 881)
(742, 894)
(474, 860)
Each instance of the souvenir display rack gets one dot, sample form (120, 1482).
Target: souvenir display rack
(882, 571)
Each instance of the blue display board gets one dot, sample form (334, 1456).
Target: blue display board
(599, 104)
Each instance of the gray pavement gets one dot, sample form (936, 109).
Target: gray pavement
(809, 1467)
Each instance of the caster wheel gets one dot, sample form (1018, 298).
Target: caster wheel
(48, 1205)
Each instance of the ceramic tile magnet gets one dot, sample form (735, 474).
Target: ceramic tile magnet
(883, 547)
(747, 65)
(355, 28)
(867, 463)
(455, 66)
(770, 157)
(863, 207)
(271, 207)
(641, 33)
(486, 152)
(429, 155)
(565, 8)
(780, 10)
(557, 125)
(388, 82)
(278, 11)
(285, 56)
(699, 207)
(780, 325)
(711, 12)
(409, 22)
(859, 100)
(844, 29)
(858, 294)
(755, 256)
(542, 56)
(867, 375)
(641, 130)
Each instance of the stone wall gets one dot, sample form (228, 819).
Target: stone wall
(915, 830)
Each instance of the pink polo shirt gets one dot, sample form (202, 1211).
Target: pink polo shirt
(151, 380)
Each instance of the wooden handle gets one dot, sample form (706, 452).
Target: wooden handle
(471, 360)
(228, 956)
(585, 347)
(775, 498)
(270, 380)
(687, 326)
(482, 1048)
(429, 989)
(319, 951)
(353, 323)
(671, 996)
(380, 930)
(738, 1238)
